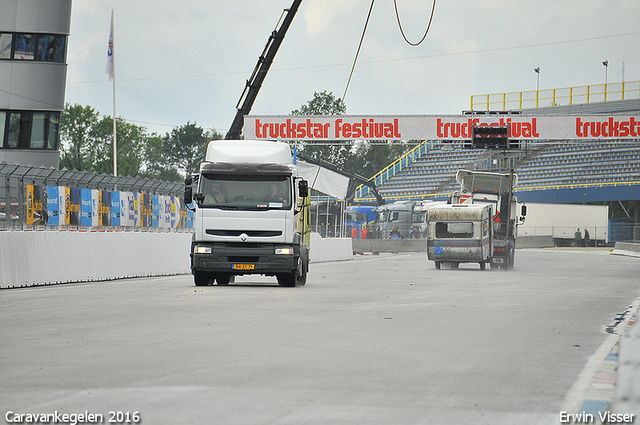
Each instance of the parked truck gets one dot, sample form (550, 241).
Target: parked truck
(409, 217)
(495, 190)
(559, 223)
(246, 198)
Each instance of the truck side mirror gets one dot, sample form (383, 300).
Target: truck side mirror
(188, 195)
(523, 211)
(303, 188)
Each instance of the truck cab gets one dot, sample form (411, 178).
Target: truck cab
(246, 200)
(495, 190)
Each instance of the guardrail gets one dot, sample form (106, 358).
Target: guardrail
(396, 166)
(556, 97)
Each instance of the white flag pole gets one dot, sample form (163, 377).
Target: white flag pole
(111, 70)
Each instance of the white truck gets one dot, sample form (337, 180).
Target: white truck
(496, 190)
(561, 221)
(246, 199)
(404, 215)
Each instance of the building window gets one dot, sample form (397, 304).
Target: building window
(25, 47)
(3, 121)
(30, 130)
(5, 46)
(36, 47)
(53, 135)
(18, 133)
(38, 130)
(51, 48)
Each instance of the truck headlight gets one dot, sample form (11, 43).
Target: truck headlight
(201, 249)
(284, 251)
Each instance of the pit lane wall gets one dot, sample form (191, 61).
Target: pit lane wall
(50, 257)
(41, 258)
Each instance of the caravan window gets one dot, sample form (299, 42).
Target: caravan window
(457, 230)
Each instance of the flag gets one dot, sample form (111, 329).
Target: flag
(110, 66)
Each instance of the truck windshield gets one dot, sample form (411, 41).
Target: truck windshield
(246, 192)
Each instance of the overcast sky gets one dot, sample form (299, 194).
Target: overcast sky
(188, 62)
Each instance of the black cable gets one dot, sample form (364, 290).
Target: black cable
(358, 52)
(433, 8)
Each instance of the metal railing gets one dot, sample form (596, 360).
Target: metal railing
(395, 167)
(25, 203)
(556, 97)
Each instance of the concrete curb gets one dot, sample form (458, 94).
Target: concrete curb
(596, 390)
(626, 398)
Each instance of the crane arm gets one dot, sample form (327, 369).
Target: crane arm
(265, 60)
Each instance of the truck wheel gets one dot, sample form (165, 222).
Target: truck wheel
(303, 265)
(202, 278)
(511, 258)
(438, 264)
(297, 277)
(302, 280)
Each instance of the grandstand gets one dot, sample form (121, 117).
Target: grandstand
(429, 174)
(583, 163)
(548, 171)
(541, 166)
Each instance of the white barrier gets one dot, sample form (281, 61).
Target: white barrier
(329, 249)
(41, 258)
(629, 249)
(38, 258)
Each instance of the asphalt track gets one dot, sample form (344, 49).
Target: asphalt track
(382, 339)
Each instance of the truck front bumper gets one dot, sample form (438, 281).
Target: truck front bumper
(244, 258)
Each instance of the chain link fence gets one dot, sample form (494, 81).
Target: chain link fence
(39, 198)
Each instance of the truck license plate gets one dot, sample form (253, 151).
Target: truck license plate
(244, 266)
(498, 260)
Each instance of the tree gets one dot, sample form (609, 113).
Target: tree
(178, 153)
(334, 152)
(87, 142)
(187, 146)
(322, 104)
(130, 140)
(87, 145)
(361, 157)
(367, 159)
(77, 126)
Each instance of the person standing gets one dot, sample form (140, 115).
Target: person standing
(587, 238)
(578, 238)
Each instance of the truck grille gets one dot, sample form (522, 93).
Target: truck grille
(250, 233)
